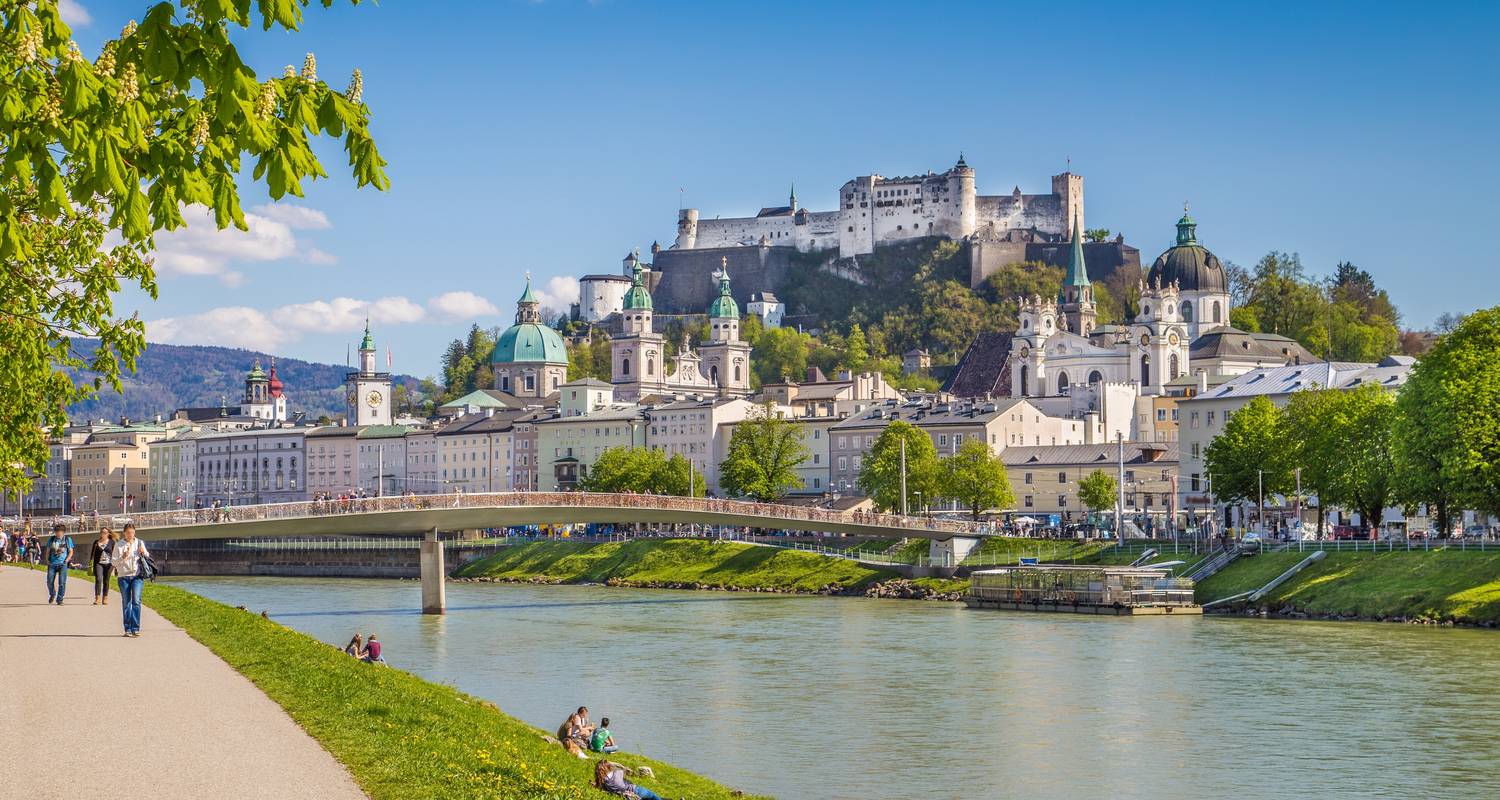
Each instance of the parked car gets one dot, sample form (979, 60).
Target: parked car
(1250, 543)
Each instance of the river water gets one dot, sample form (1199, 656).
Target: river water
(814, 697)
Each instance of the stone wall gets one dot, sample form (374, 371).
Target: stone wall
(1102, 258)
(686, 284)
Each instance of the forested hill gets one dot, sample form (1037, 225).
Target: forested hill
(170, 376)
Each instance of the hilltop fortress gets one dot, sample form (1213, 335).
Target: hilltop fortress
(873, 212)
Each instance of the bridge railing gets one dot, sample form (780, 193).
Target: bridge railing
(772, 513)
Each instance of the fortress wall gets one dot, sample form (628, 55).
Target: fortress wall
(1102, 258)
(687, 286)
(744, 230)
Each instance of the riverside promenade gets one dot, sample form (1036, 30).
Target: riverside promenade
(159, 714)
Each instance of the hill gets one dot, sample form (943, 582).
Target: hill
(170, 376)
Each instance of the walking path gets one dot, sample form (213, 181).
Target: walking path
(165, 716)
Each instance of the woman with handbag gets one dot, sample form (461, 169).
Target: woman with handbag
(99, 563)
(132, 563)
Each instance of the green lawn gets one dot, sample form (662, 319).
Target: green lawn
(400, 736)
(642, 561)
(1447, 585)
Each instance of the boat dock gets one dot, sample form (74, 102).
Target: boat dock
(1082, 589)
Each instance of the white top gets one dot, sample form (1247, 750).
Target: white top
(127, 555)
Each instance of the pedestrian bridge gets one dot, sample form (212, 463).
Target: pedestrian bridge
(428, 515)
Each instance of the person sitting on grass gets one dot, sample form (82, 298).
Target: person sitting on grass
(610, 777)
(356, 646)
(602, 741)
(372, 651)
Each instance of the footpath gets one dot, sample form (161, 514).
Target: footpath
(85, 710)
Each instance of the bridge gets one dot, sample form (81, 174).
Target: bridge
(428, 515)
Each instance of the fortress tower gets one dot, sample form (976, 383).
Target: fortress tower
(687, 228)
(1069, 189)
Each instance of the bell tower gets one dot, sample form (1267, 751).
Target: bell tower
(726, 358)
(368, 400)
(1077, 307)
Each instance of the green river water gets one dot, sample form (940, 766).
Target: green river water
(814, 697)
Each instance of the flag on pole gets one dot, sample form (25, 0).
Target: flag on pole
(387, 356)
(347, 353)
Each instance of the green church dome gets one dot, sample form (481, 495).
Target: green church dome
(637, 297)
(529, 341)
(724, 306)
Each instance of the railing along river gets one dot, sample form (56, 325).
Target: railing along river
(775, 515)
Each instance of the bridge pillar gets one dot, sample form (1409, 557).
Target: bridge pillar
(434, 590)
(950, 552)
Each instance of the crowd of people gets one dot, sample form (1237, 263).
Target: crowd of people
(580, 736)
(120, 556)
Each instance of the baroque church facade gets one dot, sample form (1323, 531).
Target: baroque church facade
(720, 365)
(1060, 348)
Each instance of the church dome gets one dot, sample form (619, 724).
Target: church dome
(723, 306)
(637, 297)
(529, 341)
(275, 382)
(1188, 264)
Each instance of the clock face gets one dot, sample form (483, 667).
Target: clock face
(1145, 339)
(373, 399)
(1172, 339)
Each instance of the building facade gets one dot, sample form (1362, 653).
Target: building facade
(251, 467)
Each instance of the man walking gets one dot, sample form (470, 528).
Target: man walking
(59, 553)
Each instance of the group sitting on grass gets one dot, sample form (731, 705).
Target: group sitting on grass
(365, 650)
(578, 734)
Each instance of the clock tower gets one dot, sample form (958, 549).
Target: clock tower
(368, 400)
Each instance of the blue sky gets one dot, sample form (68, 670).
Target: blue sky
(555, 136)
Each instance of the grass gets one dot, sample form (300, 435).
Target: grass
(1010, 550)
(1439, 584)
(398, 735)
(716, 564)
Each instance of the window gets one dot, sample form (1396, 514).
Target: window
(530, 383)
(1062, 501)
(625, 366)
(843, 463)
(1028, 501)
(1062, 477)
(650, 367)
(942, 440)
(1193, 421)
(1161, 415)
(1210, 418)
(1028, 479)
(1129, 475)
(1195, 449)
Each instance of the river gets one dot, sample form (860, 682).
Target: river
(815, 697)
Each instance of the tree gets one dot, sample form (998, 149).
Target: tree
(1096, 234)
(1447, 442)
(1245, 459)
(642, 470)
(1310, 443)
(856, 350)
(1362, 473)
(764, 453)
(160, 119)
(781, 355)
(976, 478)
(1098, 490)
(880, 475)
(1245, 319)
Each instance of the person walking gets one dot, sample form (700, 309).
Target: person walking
(126, 560)
(99, 562)
(59, 553)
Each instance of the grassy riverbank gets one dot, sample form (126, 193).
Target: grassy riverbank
(643, 562)
(399, 736)
(1440, 585)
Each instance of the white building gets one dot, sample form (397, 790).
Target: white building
(766, 306)
(172, 478)
(332, 468)
(1202, 416)
(380, 452)
(698, 430)
(601, 295)
(246, 467)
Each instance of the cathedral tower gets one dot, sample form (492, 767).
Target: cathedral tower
(726, 358)
(1077, 306)
(636, 354)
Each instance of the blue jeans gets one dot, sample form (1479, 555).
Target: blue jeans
(57, 582)
(130, 602)
(646, 794)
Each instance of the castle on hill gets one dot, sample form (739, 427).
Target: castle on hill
(875, 210)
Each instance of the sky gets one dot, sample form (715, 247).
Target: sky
(552, 137)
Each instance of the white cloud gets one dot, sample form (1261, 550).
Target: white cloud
(296, 217)
(74, 13)
(202, 249)
(231, 326)
(346, 314)
(461, 306)
(559, 293)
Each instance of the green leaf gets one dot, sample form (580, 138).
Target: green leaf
(227, 203)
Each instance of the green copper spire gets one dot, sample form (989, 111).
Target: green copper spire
(527, 296)
(724, 306)
(1078, 272)
(369, 342)
(255, 372)
(1187, 229)
(637, 297)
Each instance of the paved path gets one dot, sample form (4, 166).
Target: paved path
(201, 729)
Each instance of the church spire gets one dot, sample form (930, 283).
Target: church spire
(723, 306)
(1078, 271)
(528, 308)
(794, 197)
